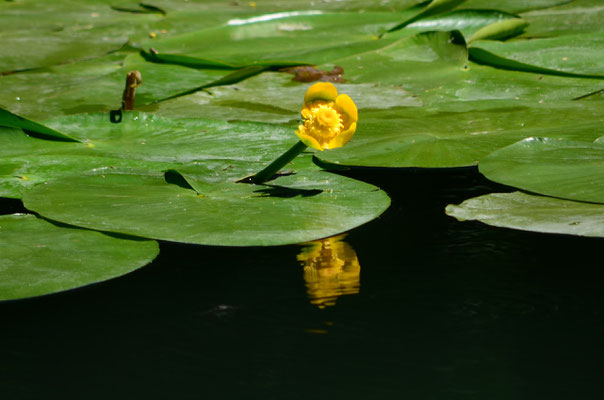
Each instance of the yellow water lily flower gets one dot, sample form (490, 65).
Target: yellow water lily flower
(329, 120)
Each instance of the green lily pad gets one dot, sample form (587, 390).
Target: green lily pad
(305, 206)
(432, 139)
(10, 119)
(290, 209)
(533, 213)
(427, 9)
(306, 37)
(577, 16)
(273, 6)
(140, 144)
(19, 173)
(468, 22)
(568, 55)
(42, 34)
(434, 66)
(500, 30)
(39, 257)
(513, 6)
(149, 137)
(97, 85)
(254, 99)
(561, 168)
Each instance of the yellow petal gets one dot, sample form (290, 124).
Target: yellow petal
(345, 105)
(321, 91)
(343, 137)
(309, 141)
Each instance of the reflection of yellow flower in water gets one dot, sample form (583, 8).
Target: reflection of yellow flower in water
(329, 120)
(331, 269)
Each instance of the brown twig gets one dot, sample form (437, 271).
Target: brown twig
(133, 80)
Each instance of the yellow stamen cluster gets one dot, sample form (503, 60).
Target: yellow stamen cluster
(321, 121)
(328, 120)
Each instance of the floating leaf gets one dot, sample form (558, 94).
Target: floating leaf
(97, 85)
(514, 6)
(432, 7)
(305, 206)
(533, 213)
(569, 55)
(39, 257)
(304, 37)
(468, 22)
(419, 138)
(500, 30)
(434, 66)
(289, 209)
(140, 144)
(254, 99)
(42, 34)
(573, 16)
(13, 120)
(561, 168)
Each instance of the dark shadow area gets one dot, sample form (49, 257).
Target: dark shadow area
(43, 136)
(12, 206)
(286, 192)
(246, 105)
(144, 9)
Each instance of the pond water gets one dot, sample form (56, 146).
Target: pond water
(430, 308)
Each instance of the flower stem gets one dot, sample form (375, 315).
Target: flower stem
(270, 170)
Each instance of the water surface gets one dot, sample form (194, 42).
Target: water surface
(440, 310)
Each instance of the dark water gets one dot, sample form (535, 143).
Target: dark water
(445, 310)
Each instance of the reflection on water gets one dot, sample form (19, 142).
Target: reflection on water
(331, 269)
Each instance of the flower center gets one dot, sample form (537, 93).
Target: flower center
(322, 121)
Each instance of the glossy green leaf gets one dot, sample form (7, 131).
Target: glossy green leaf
(434, 66)
(19, 173)
(577, 16)
(13, 120)
(561, 168)
(431, 8)
(41, 34)
(569, 55)
(304, 206)
(39, 257)
(468, 112)
(306, 37)
(97, 85)
(275, 97)
(419, 138)
(140, 144)
(500, 30)
(289, 209)
(468, 22)
(150, 137)
(513, 6)
(273, 6)
(533, 213)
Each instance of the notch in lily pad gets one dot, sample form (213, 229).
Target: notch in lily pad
(177, 178)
